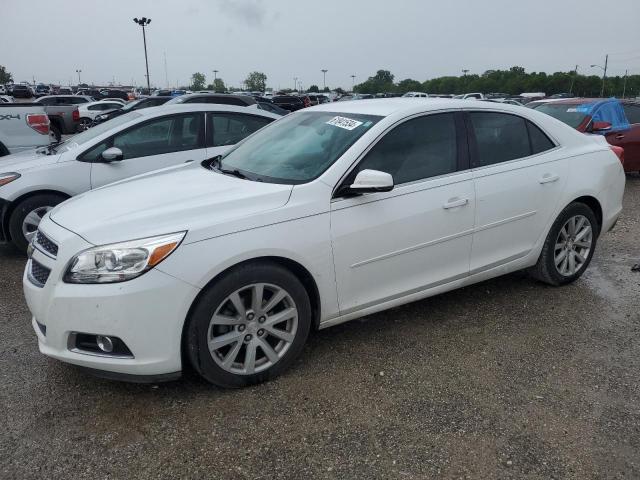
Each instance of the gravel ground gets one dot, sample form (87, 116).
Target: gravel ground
(505, 379)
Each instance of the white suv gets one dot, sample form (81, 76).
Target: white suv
(133, 143)
(329, 214)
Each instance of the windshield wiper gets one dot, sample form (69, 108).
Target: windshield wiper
(235, 172)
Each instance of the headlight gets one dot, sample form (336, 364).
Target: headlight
(8, 177)
(120, 262)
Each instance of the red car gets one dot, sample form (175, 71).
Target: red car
(617, 120)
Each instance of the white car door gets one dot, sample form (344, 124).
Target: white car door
(519, 175)
(157, 143)
(417, 236)
(225, 129)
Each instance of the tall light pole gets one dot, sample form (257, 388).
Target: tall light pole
(624, 85)
(215, 76)
(324, 78)
(573, 79)
(143, 22)
(295, 83)
(465, 71)
(353, 82)
(604, 74)
(79, 72)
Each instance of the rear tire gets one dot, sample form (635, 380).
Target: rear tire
(233, 346)
(26, 217)
(569, 247)
(54, 133)
(83, 124)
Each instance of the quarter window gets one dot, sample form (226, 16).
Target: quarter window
(230, 128)
(539, 140)
(417, 149)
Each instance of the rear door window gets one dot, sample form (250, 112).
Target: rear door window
(499, 137)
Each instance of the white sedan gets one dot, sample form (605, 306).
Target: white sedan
(133, 143)
(327, 215)
(89, 111)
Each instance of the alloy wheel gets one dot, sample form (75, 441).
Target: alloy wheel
(32, 220)
(573, 245)
(252, 329)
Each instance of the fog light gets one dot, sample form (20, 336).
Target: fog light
(104, 343)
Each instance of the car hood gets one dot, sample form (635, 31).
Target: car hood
(185, 198)
(19, 162)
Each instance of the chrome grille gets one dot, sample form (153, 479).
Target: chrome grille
(38, 273)
(47, 244)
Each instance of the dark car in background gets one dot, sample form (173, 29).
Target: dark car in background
(271, 107)
(617, 120)
(21, 91)
(131, 106)
(289, 102)
(114, 93)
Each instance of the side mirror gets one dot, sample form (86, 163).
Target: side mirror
(370, 181)
(113, 154)
(600, 126)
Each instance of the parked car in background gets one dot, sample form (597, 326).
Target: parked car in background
(128, 145)
(618, 121)
(470, 96)
(6, 99)
(65, 91)
(41, 90)
(90, 92)
(288, 102)
(118, 100)
(3, 90)
(271, 107)
(88, 112)
(21, 91)
(221, 99)
(416, 94)
(114, 93)
(130, 107)
(313, 221)
(162, 93)
(305, 100)
(177, 93)
(23, 126)
(63, 113)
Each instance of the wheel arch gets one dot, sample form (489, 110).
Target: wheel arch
(594, 204)
(11, 207)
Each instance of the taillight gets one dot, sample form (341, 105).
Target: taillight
(75, 115)
(619, 151)
(39, 122)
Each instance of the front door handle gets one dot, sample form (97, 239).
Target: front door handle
(619, 136)
(455, 202)
(549, 177)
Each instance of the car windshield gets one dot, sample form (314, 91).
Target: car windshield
(297, 148)
(572, 115)
(91, 133)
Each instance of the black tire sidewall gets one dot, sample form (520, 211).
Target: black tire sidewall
(571, 211)
(22, 210)
(56, 132)
(198, 323)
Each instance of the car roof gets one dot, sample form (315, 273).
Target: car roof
(582, 101)
(201, 107)
(385, 107)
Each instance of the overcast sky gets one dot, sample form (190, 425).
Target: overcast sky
(419, 39)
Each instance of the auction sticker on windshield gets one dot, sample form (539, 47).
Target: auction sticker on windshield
(343, 122)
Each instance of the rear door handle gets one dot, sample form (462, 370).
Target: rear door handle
(455, 202)
(549, 177)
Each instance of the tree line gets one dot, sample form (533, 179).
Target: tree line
(513, 82)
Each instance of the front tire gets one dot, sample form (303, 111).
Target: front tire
(569, 246)
(248, 326)
(27, 215)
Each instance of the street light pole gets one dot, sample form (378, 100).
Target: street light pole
(624, 85)
(143, 22)
(353, 82)
(295, 83)
(79, 72)
(604, 74)
(573, 79)
(215, 76)
(324, 78)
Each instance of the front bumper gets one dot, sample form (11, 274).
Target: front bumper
(146, 313)
(4, 220)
